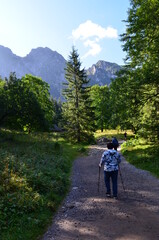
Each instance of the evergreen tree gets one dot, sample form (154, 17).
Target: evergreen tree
(77, 110)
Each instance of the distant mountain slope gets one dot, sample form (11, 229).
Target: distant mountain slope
(41, 62)
(9, 62)
(49, 65)
(102, 72)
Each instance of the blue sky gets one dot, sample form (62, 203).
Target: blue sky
(92, 26)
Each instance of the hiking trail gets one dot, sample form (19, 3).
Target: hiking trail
(87, 214)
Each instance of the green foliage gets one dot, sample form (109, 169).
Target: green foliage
(38, 106)
(101, 103)
(124, 101)
(136, 89)
(142, 154)
(25, 103)
(57, 108)
(77, 111)
(34, 178)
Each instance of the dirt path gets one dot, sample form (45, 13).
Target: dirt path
(89, 215)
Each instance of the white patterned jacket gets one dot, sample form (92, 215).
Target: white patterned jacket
(110, 159)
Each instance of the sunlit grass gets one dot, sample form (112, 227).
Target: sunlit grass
(34, 179)
(110, 133)
(142, 154)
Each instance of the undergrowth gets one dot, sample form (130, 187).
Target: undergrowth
(34, 178)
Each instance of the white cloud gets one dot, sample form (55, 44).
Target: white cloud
(95, 48)
(90, 34)
(90, 29)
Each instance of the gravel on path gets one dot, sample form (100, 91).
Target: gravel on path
(87, 214)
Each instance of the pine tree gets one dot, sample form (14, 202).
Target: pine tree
(77, 110)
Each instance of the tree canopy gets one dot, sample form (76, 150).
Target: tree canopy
(136, 88)
(25, 103)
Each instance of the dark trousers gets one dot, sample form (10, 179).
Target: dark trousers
(115, 148)
(113, 175)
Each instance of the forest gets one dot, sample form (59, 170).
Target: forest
(30, 117)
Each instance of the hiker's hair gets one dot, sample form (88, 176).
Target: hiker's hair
(110, 145)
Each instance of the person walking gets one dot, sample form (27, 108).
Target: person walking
(125, 135)
(115, 143)
(111, 159)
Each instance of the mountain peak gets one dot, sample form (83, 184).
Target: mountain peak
(102, 72)
(105, 64)
(5, 50)
(42, 51)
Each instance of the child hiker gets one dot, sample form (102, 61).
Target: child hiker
(110, 159)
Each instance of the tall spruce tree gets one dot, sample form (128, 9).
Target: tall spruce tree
(77, 110)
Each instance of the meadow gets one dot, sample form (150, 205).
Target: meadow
(142, 154)
(34, 179)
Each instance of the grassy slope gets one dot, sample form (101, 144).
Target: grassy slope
(34, 178)
(143, 155)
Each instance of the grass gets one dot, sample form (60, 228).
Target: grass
(142, 154)
(116, 133)
(34, 179)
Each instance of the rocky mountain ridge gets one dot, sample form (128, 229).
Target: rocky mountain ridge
(102, 72)
(49, 65)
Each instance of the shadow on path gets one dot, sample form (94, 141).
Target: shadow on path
(87, 214)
